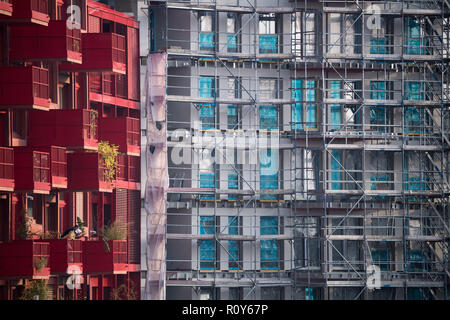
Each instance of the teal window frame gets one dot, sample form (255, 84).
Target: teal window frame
(269, 249)
(207, 247)
(207, 112)
(233, 245)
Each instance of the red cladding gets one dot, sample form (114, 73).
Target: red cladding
(123, 132)
(68, 128)
(66, 254)
(24, 87)
(97, 258)
(32, 170)
(55, 42)
(25, 258)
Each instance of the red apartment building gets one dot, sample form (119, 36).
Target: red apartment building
(62, 92)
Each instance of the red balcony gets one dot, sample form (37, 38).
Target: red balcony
(58, 165)
(32, 170)
(87, 172)
(29, 11)
(123, 132)
(66, 255)
(68, 128)
(55, 43)
(25, 259)
(128, 173)
(6, 169)
(6, 7)
(102, 52)
(98, 260)
(24, 87)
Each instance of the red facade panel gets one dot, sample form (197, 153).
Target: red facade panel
(134, 225)
(66, 255)
(31, 11)
(123, 132)
(55, 42)
(68, 128)
(98, 259)
(25, 258)
(102, 52)
(133, 63)
(31, 170)
(24, 87)
(86, 173)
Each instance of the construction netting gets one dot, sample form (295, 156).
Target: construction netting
(157, 176)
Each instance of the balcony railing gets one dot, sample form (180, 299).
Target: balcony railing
(67, 128)
(30, 11)
(102, 52)
(87, 173)
(66, 254)
(128, 172)
(6, 169)
(112, 259)
(55, 42)
(25, 259)
(24, 87)
(123, 132)
(6, 7)
(109, 84)
(32, 170)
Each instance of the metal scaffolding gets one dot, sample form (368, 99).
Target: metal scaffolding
(307, 148)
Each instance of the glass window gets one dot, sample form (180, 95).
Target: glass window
(207, 29)
(269, 248)
(268, 40)
(207, 247)
(233, 245)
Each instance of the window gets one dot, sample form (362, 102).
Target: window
(416, 38)
(207, 175)
(304, 109)
(382, 39)
(335, 109)
(346, 251)
(336, 170)
(268, 39)
(307, 242)
(207, 31)
(268, 114)
(305, 34)
(207, 247)
(207, 111)
(19, 124)
(269, 248)
(233, 32)
(344, 34)
(233, 245)
(381, 117)
(268, 160)
(233, 112)
(271, 293)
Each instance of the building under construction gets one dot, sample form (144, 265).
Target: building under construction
(307, 149)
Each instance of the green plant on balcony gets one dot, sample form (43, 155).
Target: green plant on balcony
(80, 224)
(93, 118)
(36, 288)
(114, 231)
(124, 293)
(40, 263)
(108, 153)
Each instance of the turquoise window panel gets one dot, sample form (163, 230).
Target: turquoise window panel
(374, 186)
(414, 90)
(378, 46)
(269, 248)
(206, 87)
(232, 42)
(207, 247)
(381, 258)
(414, 120)
(336, 175)
(233, 246)
(268, 117)
(207, 180)
(310, 293)
(416, 260)
(304, 114)
(268, 44)
(415, 43)
(233, 184)
(268, 173)
(232, 115)
(378, 90)
(378, 116)
(335, 109)
(416, 294)
(207, 41)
